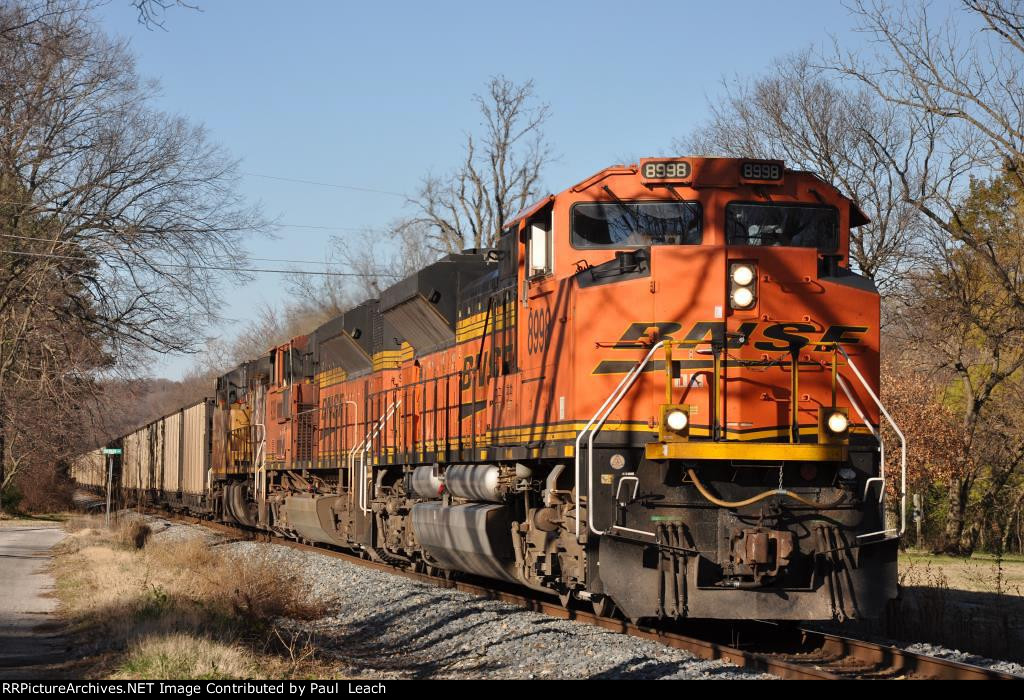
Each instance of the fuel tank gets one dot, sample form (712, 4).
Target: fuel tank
(311, 517)
(473, 537)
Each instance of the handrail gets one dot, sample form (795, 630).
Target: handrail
(597, 421)
(350, 448)
(366, 444)
(903, 449)
(357, 449)
(599, 418)
(259, 462)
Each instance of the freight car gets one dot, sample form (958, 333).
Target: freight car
(656, 394)
(166, 461)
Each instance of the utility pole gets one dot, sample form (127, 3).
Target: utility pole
(110, 452)
(918, 517)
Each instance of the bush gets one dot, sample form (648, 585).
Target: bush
(133, 534)
(261, 591)
(10, 499)
(45, 489)
(183, 608)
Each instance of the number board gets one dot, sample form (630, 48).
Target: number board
(666, 170)
(753, 170)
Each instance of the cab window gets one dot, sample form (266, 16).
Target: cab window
(803, 226)
(538, 246)
(635, 224)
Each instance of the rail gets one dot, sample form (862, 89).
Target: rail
(260, 462)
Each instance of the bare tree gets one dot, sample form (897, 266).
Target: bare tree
(795, 114)
(500, 172)
(152, 12)
(959, 85)
(364, 268)
(118, 223)
(971, 335)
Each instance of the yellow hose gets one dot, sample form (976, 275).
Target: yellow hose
(759, 497)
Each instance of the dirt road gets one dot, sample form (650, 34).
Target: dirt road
(31, 643)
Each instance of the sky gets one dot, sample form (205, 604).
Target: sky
(378, 94)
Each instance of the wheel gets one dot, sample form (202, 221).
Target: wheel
(603, 606)
(565, 598)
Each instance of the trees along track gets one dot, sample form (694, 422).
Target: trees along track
(784, 651)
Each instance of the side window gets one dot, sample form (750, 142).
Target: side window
(508, 265)
(538, 246)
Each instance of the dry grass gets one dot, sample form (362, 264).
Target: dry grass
(174, 656)
(980, 573)
(180, 609)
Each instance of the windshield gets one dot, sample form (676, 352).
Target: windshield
(635, 224)
(782, 225)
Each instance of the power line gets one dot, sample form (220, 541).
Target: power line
(358, 229)
(53, 208)
(327, 184)
(280, 260)
(213, 267)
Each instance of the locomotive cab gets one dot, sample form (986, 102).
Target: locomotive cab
(724, 387)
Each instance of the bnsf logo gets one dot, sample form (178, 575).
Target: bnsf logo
(771, 337)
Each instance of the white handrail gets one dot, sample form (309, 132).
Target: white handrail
(600, 417)
(367, 443)
(903, 447)
(259, 462)
(358, 449)
(877, 435)
(351, 450)
(364, 445)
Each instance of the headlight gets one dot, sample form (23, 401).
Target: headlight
(677, 420)
(838, 423)
(742, 298)
(743, 275)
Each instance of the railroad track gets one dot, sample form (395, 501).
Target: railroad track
(787, 652)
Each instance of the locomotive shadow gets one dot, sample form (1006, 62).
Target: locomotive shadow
(435, 646)
(428, 635)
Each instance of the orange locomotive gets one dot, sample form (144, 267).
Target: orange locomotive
(658, 393)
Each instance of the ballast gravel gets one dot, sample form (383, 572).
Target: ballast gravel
(966, 658)
(383, 626)
(387, 626)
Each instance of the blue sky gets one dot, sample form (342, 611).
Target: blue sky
(377, 94)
